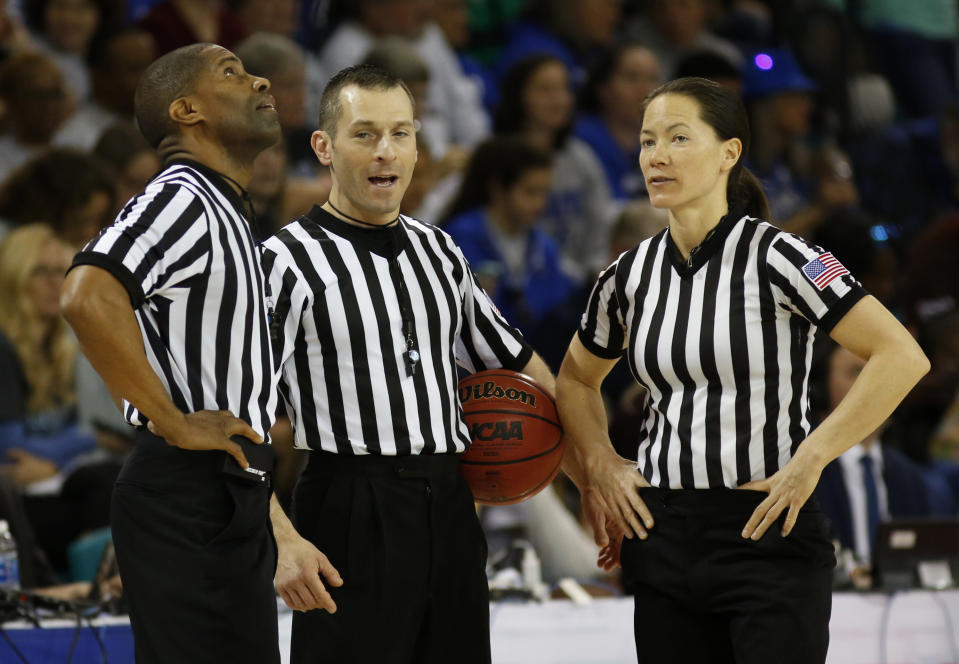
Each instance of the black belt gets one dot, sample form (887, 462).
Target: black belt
(424, 466)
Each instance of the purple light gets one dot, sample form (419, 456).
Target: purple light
(763, 61)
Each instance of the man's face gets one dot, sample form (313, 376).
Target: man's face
(237, 108)
(372, 155)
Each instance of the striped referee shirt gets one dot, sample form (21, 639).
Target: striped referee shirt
(339, 292)
(184, 252)
(723, 345)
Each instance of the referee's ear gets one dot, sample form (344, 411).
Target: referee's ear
(732, 151)
(184, 112)
(321, 143)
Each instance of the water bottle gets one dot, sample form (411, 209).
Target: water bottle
(9, 564)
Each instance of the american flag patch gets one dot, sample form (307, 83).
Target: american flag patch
(823, 270)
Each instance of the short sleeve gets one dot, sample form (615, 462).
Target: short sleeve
(286, 299)
(486, 340)
(163, 240)
(602, 328)
(811, 282)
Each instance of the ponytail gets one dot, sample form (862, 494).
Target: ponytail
(743, 192)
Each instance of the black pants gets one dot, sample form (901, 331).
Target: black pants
(705, 594)
(196, 556)
(404, 535)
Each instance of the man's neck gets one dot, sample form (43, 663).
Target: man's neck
(237, 171)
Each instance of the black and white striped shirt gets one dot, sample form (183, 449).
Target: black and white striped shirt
(184, 252)
(723, 344)
(338, 290)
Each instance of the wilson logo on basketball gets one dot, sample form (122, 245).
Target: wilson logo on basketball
(490, 390)
(497, 430)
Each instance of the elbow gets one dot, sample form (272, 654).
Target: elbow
(72, 299)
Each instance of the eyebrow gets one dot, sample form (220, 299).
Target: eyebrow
(669, 128)
(370, 123)
(227, 58)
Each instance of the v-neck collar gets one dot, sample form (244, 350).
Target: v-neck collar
(702, 252)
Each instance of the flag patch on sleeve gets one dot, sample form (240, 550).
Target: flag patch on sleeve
(823, 270)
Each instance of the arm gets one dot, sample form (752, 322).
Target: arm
(537, 370)
(608, 483)
(98, 309)
(894, 364)
(299, 565)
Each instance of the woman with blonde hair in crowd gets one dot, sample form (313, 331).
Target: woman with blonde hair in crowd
(40, 441)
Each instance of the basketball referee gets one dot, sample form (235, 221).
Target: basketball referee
(377, 310)
(717, 315)
(169, 306)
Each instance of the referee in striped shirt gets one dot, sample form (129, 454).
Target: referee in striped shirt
(717, 316)
(169, 306)
(376, 310)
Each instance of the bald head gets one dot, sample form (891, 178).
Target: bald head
(168, 78)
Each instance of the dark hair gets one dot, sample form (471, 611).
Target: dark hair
(502, 160)
(50, 186)
(168, 78)
(600, 73)
(109, 12)
(706, 64)
(723, 110)
(18, 71)
(119, 144)
(365, 77)
(510, 115)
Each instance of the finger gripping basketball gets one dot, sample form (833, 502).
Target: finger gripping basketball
(516, 447)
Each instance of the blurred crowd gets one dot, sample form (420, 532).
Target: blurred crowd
(528, 133)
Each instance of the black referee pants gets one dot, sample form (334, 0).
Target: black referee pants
(404, 535)
(197, 557)
(705, 594)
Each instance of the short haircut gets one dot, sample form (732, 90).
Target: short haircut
(365, 77)
(166, 79)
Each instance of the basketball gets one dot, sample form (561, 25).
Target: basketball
(516, 447)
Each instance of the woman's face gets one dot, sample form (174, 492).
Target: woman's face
(683, 161)
(45, 278)
(547, 98)
(70, 24)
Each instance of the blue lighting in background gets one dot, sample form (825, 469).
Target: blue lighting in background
(764, 61)
(879, 233)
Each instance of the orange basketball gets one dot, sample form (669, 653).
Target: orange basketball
(517, 439)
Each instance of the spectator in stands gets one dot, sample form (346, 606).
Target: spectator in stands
(64, 29)
(674, 28)
(70, 191)
(14, 36)
(42, 448)
(117, 61)
(572, 31)
(279, 197)
(804, 183)
(493, 219)
(915, 47)
(453, 18)
(37, 102)
(283, 62)
(453, 98)
(611, 117)
(870, 482)
(176, 23)
(711, 65)
(123, 148)
(537, 104)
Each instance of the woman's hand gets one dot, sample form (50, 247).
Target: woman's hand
(611, 501)
(789, 488)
